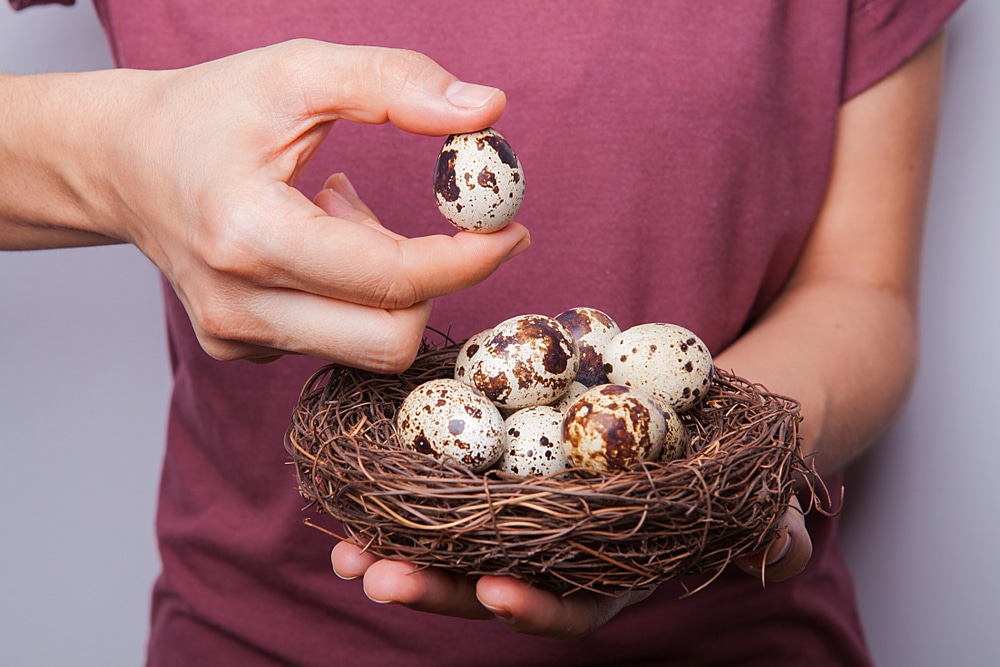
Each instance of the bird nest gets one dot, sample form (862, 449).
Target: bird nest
(600, 532)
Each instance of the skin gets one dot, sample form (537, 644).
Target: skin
(841, 338)
(95, 158)
(92, 158)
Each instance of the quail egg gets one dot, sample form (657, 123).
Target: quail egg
(574, 391)
(611, 427)
(593, 330)
(675, 442)
(466, 354)
(534, 442)
(448, 418)
(666, 360)
(478, 181)
(528, 360)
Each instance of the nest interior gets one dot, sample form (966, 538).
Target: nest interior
(605, 533)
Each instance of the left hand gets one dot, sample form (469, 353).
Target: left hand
(524, 608)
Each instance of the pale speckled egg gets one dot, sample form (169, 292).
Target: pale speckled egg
(593, 330)
(574, 391)
(675, 442)
(666, 360)
(527, 360)
(466, 353)
(534, 443)
(611, 427)
(448, 418)
(478, 181)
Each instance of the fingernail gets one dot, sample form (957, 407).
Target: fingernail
(339, 196)
(344, 185)
(784, 549)
(499, 612)
(342, 576)
(469, 95)
(521, 246)
(375, 600)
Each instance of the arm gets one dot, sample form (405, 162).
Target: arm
(841, 338)
(195, 168)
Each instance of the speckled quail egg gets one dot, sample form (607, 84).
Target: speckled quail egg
(534, 442)
(574, 391)
(478, 181)
(675, 441)
(528, 360)
(448, 418)
(611, 427)
(466, 353)
(666, 360)
(593, 330)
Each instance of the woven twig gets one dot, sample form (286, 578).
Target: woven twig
(606, 533)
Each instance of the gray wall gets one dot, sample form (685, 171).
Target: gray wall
(84, 382)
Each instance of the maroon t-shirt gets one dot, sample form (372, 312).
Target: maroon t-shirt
(676, 155)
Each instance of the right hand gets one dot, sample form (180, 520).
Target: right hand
(197, 170)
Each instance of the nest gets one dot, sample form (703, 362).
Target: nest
(605, 533)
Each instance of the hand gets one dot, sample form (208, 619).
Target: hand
(787, 555)
(530, 610)
(200, 177)
(520, 606)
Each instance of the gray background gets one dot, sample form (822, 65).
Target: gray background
(84, 383)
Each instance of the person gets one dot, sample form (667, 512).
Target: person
(755, 172)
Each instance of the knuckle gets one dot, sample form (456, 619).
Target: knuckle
(402, 69)
(219, 326)
(399, 356)
(396, 293)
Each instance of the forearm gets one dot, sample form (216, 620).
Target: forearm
(51, 166)
(846, 350)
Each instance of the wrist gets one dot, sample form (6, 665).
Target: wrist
(55, 160)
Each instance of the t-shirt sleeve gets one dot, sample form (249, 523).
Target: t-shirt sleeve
(21, 4)
(884, 34)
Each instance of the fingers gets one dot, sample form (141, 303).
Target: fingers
(397, 582)
(375, 85)
(257, 323)
(788, 554)
(349, 561)
(520, 606)
(301, 246)
(429, 590)
(530, 610)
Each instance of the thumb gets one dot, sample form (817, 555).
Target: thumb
(376, 85)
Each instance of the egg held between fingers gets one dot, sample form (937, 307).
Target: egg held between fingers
(478, 181)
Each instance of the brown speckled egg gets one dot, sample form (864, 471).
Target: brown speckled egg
(574, 391)
(447, 418)
(666, 360)
(463, 362)
(534, 443)
(593, 330)
(528, 360)
(611, 427)
(675, 442)
(478, 181)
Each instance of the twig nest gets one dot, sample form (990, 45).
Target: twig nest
(604, 532)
